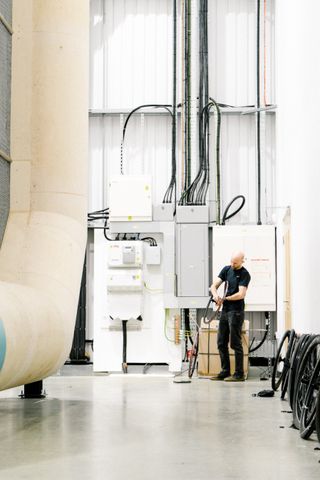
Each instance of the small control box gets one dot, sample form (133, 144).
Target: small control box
(125, 254)
(124, 280)
(152, 255)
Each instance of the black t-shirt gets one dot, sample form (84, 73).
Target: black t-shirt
(235, 278)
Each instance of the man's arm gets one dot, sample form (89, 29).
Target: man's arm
(239, 295)
(213, 289)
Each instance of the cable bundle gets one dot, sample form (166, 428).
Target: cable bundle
(98, 215)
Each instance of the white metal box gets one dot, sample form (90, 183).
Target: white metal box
(152, 255)
(258, 244)
(130, 198)
(163, 212)
(124, 280)
(192, 214)
(125, 254)
(192, 260)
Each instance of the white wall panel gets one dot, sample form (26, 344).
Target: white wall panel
(147, 150)
(238, 161)
(232, 50)
(131, 61)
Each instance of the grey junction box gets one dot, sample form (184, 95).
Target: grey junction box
(192, 214)
(192, 260)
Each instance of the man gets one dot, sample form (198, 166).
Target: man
(232, 316)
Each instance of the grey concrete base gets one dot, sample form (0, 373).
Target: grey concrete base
(145, 427)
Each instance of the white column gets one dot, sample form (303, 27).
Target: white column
(298, 149)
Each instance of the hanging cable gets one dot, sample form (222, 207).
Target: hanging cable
(203, 100)
(265, 53)
(187, 92)
(182, 122)
(187, 196)
(166, 107)
(251, 350)
(172, 185)
(226, 216)
(258, 116)
(218, 174)
(196, 193)
(187, 89)
(188, 83)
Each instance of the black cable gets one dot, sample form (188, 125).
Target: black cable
(187, 327)
(202, 177)
(98, 215)
(172, 185)
(124, 346)
(99, 211)
(218, 174)
(263, 338)
(105, 232)
(166, 107)
(203, 100)
(225, 217)
(151, 240)
(187, 89)
(187, 196)
(258, 116)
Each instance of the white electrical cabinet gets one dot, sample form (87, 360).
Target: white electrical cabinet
(130, 198)
(258, 244)
(129, 285)
(124, 279)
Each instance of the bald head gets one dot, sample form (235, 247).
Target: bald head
(237, 259)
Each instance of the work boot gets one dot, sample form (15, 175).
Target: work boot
(235, 378)
(220, 376)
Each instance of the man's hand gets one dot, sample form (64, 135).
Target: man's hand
(218, 300)
(213, 290)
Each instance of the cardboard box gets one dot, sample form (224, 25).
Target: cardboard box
(208, 357)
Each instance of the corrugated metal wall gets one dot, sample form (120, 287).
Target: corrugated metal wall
(232, 50)
(131, 53)
(5, 93)
(131, 64)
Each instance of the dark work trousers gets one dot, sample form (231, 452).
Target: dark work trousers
(230, 326)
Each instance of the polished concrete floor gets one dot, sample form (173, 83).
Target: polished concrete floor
(145, 427)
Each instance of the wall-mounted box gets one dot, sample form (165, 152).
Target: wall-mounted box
(192, 258)
(152, 255)
(163, 212)
(258, 244)
(192, 214)
(124, 280)
(130, 198)
(125, 254)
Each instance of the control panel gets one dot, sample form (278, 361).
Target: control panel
(125, 254)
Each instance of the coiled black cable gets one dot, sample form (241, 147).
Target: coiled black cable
(225, 215)
(251, 350)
